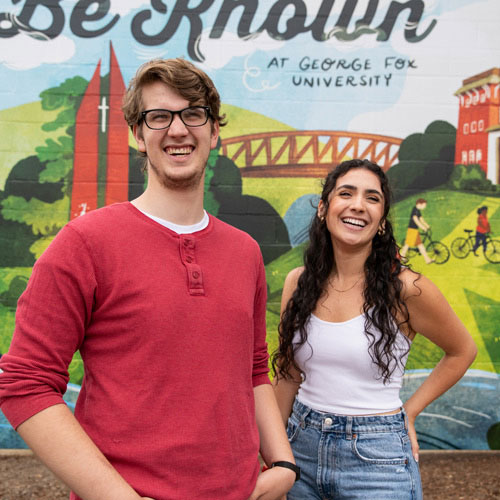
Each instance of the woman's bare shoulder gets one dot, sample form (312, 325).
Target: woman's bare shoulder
(294, 275)
(412, 282)
(291, 284)
(420, 291)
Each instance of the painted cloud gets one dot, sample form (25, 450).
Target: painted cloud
(441, 68)
(22, 52)
(217, 52)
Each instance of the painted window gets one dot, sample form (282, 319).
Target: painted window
(466, 128)
(473, 127)
(480, 125)
(471, 156)
(479, 155)
(464, 157)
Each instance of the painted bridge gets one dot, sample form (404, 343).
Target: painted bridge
(305, 153)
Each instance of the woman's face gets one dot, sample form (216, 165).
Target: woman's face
(356, 208)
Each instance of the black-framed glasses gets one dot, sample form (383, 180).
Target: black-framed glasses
(192, 116)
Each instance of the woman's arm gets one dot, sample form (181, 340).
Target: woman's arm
(285, 389)
(432, 316)
(275, 482)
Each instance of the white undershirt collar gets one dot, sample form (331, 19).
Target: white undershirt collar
(181, 229)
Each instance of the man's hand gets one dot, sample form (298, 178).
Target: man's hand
(273, 484)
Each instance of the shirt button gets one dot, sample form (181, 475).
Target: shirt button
(189, 259)
(196, 275)
(328, 421)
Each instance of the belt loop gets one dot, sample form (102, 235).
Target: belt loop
(303, 417)
(301, 411)
(348, 428)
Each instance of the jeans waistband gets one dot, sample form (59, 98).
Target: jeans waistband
(347, 424)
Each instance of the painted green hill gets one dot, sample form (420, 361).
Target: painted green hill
(241, 122)
(21, 132)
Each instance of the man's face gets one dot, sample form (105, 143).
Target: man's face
(176, 156)
(421, 206)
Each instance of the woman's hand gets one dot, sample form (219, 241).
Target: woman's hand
(412, 434)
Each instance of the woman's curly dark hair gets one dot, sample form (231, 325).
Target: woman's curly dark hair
(383, 301)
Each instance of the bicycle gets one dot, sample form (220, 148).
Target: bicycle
(437, 251)
(461, 247)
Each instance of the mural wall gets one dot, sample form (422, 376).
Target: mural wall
(412, 85)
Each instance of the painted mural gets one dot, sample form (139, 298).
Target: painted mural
(412, 85)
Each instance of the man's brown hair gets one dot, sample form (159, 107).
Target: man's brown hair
(180, 75)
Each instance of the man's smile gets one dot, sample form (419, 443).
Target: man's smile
(179, 150)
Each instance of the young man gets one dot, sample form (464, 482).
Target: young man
(167, 307)
(412, 235)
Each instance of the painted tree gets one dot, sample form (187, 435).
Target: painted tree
(23, 201)
(426, 160)
(251, 214)
(472, 178)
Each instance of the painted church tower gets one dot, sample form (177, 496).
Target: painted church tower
(101, 151)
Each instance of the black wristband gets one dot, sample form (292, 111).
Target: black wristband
(288, 465)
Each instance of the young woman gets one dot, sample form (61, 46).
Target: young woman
(348, 319)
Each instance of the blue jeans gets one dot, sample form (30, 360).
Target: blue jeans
(480, 240)
(344, 457)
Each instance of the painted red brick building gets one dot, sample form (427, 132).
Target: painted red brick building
(478, 132)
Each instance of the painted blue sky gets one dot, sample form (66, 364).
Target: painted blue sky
(391, 88)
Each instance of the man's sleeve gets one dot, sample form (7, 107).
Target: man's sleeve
(50, 323)
(260, 353)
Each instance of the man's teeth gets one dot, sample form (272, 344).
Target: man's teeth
(179, 151)
(355, 222)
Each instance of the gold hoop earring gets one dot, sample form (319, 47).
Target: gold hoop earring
(381, 231)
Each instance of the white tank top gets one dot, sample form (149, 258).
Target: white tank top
(340, 376)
